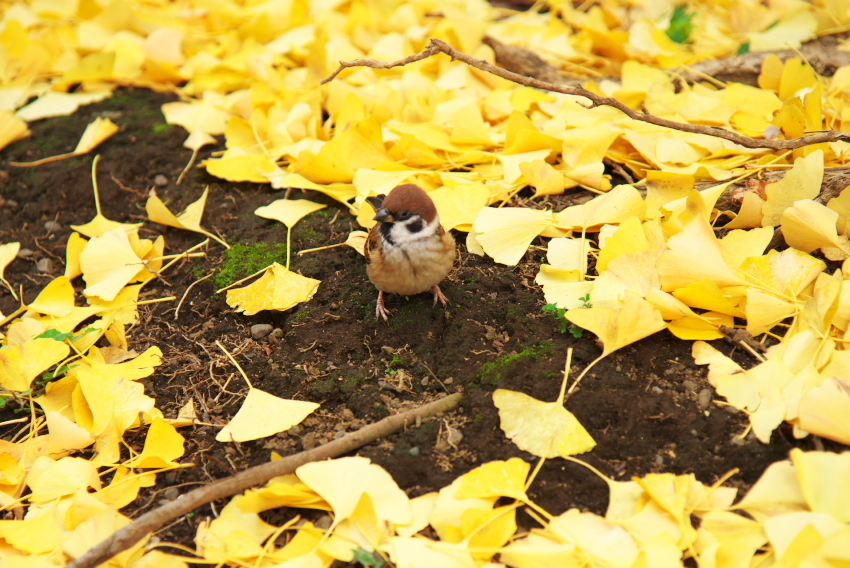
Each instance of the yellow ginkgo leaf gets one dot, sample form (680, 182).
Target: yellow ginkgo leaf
(262, 415)
(76, 244)
(20, 364)
(100, 225)
(65, 435)
(109, 263)
(824, 410)
(209, 114)
(628, 238)
(633, 320)
(545, 179)
(284, 491)
(57, 298)
(236, 535)
(821, 475)
(458, 206)
(288, 211)
(95, 134)
(695, 255)
(8, 253)
(357, 241)
(11, 128)
(342, 482)
(496, 479)
(124, 488)
(707, 295)
(505, 233)
(808, 225)
(54, 103)
(277, 289)
(186, 416)
(189, 220)
(750, 214)
(545, 429)
(419, 551)
(359, 146)
(163, 445)
(50, 479)
(237, 166)
(613, 207)
(803, 181)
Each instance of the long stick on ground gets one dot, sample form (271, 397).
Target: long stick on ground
(125, 538)
(438, 46)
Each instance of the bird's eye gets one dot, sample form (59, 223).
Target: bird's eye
(403, 215)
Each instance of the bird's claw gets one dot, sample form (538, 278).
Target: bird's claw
(438, 295)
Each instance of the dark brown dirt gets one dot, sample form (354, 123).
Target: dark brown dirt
(640, 404)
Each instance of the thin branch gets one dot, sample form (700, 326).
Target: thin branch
(439, 46)
(125, 538)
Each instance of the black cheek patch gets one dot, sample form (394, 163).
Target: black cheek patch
(416, 226)
(385, 229)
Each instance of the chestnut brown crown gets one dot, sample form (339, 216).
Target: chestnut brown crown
(406, 197)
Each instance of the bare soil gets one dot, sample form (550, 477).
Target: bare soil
(648, 406)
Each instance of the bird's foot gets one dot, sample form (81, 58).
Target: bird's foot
(380, 309)
(438, 295)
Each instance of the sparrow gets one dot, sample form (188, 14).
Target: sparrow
(407, 251)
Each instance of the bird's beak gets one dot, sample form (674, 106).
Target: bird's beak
(384, 216)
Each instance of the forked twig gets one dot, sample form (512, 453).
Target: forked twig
(438, 46)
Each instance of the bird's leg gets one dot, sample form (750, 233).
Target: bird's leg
(380, 310)
(438, 295)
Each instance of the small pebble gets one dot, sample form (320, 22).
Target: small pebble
(449, 381)
(659, 460)
(424, 382)
(657, 390)
(261, 330)
(52, 226)
(388, 350)
(704, 398)
(45, 265)
(339, 434)
(160, 180)
(731, 409)
(690, 385)
(11, 204)
(455, 436)
(324, 523)
(276, 336)
(171, 493)
(295, 430)
(309, 441)
(414, 451)
(25, 253)
(694, 433)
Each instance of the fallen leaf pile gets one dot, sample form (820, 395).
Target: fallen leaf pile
(795, 515)
(251, 72)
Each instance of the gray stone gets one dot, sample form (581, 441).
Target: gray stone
(261, 330)
(45, 265)
(160, 180)
(704, 398)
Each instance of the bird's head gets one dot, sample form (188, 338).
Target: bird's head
(407, 213)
